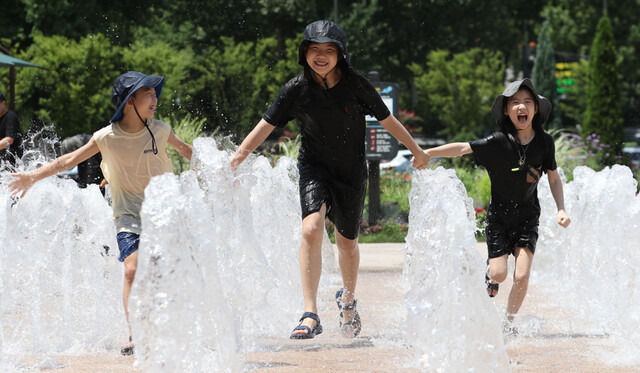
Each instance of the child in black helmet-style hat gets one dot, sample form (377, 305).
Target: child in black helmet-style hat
(133, 149)
(515, 158)
(330, 100)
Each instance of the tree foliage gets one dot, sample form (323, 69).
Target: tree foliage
(603, 115)
(460, 89)
(225, 61)
(544, 74)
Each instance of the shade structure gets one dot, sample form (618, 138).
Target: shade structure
(6, 60)
(11, 62)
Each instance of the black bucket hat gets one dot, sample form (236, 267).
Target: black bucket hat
(323, 32)
(127, 84)
(544, 105)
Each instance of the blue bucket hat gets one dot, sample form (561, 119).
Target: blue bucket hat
(127, 84)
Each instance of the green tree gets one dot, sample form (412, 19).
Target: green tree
(74, 92)
(364, 35)
(460, 89)
(604, 115)
(574, 24)
(575, 103)
(234, 85)
(544, 74)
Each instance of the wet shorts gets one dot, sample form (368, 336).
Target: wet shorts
(344, 202)
(127, 243)
(511, 226)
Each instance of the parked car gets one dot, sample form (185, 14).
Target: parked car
(633, 152)
(401, 162)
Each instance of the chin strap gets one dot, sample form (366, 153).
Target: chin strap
(324, 79)
(154, 147)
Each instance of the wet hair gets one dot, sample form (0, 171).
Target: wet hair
(537, 120)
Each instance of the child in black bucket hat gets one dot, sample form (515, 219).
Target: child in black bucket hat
(515, 158)
(330, 100)
(133, 149)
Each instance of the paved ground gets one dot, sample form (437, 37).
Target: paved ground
(380, 348)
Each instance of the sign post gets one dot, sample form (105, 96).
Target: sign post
(379, 144)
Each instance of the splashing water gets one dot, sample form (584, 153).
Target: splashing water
(222, 270)
(59, 280)
(218, 269)
(453, 325)
(592, 269)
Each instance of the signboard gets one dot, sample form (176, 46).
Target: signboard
(379, 143)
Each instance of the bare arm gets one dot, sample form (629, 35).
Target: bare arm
(454, 149)
(24, 181)
(555, 184)
(251, 142)
(182, 147)
(420, 160)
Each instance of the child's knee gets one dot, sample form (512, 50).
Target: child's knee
(521, 277)
(130, 272)
(347, 247)
(498, 274)
(312, 230)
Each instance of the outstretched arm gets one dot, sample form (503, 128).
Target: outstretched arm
(420, 159)
(24, 181)
(555, 184)
(182, 147)
(251, 142)
(454, 149)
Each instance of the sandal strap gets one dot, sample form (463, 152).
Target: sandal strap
(310, 315)
(350, 307)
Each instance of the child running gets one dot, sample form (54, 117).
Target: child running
(134, 149)
(515, 158)
(330, 100)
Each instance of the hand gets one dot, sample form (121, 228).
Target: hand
(22, 183)
(421, 161)
(563, 218)
(234, 163)
(103, 183)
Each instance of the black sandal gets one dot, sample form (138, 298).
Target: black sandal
(310, 332)
(351, 328)
(127, 350)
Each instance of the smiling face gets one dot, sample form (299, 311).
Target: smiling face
(521, 108)
(145, 100)
(322, 57)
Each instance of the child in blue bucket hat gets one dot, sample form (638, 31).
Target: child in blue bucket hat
(330, 100)
(515, 157)
(134, 149)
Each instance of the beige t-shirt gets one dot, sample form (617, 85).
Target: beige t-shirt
(128, 163)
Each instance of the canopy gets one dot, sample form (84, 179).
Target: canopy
(11, 62)
(6, 60)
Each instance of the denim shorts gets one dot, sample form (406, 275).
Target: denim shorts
(127, 243)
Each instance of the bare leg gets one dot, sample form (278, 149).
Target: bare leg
(311, 262)
(130, 266)
(498, 271)
(349, 260)
(524, 260)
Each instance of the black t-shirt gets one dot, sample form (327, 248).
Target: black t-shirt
(332, 122)
(511, 182)
(10, 127)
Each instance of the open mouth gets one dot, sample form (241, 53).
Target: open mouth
(321, 64)
(522, 118)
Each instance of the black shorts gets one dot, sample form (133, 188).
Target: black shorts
(345, 202)
(511, 225)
